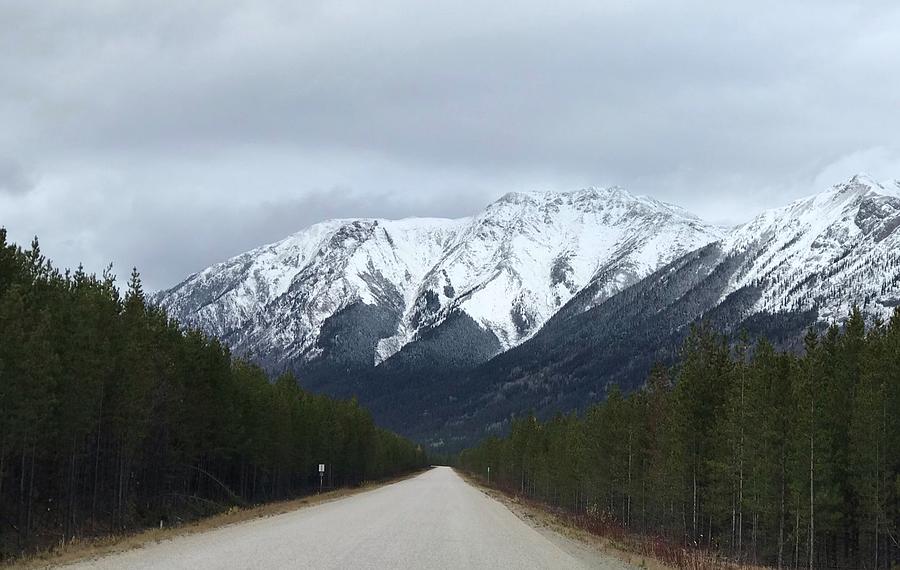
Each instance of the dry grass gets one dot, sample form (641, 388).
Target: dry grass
(81, 549)
(641, 551)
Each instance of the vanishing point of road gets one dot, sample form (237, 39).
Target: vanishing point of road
(433, 520)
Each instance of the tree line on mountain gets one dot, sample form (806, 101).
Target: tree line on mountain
(113, 417)
(619, 341)
(766, 457)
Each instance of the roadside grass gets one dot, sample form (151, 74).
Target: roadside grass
(80, 549)
(643, 551)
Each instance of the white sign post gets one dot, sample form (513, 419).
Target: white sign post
(321, 475)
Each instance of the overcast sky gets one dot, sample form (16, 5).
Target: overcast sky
(171, 135)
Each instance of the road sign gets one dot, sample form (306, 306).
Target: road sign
(321, 468)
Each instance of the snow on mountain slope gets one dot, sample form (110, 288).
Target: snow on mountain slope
(773, 277)
(826, 251)
(527, 254)
(271, 302)
(509, 268)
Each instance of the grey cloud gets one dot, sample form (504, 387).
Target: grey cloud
(14, 179)
(222, 232)
(227, 124)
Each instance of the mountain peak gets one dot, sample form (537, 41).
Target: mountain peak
(863, 178)
(860, 183)
(598, 192)
(863, 184)
(795, 247)
(594, 198)
(833, 203)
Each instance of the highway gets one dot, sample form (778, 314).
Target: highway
(433, 520)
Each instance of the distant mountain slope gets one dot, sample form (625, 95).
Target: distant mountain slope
(824, 252)
(271, 303)
(345, 295)
(446, 328)
(784, 271)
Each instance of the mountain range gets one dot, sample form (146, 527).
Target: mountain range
(544, 301)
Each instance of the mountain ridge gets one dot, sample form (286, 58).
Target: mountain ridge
(544, 300)
(508, 267)
(842, 249)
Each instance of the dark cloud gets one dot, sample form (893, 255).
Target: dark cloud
(185, 134)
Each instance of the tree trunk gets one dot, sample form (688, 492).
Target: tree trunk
(812, 527)
(628, 488)
(740, 526)
(97, 462)
(68, 528)
(733, 539)
(2, 467)
(28, 520)
(781, 521)
(755, 521)
(694, 516)
(21, 517)
(522, 487)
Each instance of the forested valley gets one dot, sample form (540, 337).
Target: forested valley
(114, 418)
(755, 455)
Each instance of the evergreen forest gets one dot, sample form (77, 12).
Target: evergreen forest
(115, 418)
(757, 455)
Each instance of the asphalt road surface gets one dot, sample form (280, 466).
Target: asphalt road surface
(434, 520)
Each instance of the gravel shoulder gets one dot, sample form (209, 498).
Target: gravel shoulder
(593, 550)
(99, 547)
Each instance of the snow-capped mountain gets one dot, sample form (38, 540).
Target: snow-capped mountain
(386, 283)
(786, 270)
(542, 301)
(271, 302)
(512, 266)
(826, 252)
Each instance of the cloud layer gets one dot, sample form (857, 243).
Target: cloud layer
(170, 138)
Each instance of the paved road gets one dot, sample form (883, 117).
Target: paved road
(434, 520)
